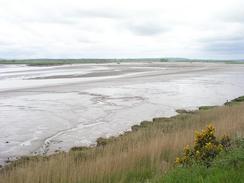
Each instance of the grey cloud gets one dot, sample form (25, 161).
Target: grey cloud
(226, 46)
(146, 28)
(233, 14)
(111, 13)
(222, 38)
(96, 13)
(4, 43)
(87, 28)
(237, 17)
(68, 17)
(23, 52)
(43, 18)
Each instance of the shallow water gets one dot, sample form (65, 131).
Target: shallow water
(43, 109)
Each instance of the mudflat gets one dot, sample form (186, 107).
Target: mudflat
(44, 109)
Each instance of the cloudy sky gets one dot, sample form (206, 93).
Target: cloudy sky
(122, 28)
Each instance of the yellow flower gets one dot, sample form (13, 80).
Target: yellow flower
(211, 128)
(187, 147)
(177, 160)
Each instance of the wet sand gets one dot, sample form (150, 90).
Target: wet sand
(44, 109)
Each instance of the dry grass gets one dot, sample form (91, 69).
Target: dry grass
(133, 157)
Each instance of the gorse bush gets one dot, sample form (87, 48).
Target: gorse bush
(228, 167)
(206, 148)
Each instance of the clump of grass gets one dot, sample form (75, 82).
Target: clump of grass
(143, 124)
(79, 148)
(184, 111)
(206, 107)
(239, 99)
(102, 141)
(135, 127)
(235, 101)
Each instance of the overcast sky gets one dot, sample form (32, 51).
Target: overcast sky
(122, 28)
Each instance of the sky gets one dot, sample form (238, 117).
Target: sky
(207, 29)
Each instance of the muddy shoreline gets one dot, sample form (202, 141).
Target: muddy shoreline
(68, 112)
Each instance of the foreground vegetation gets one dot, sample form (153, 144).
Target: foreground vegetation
(227, 167)
(146, 154)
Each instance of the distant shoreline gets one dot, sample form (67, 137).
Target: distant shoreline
(56, 62)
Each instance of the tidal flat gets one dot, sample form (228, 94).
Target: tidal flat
(44, 109)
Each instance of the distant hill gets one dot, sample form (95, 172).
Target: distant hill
(45, 62)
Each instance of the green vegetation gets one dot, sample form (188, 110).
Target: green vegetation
(206, 107)
(228, 167)
(206, 148)
(239, 99)
(183, 111)
(235, 101)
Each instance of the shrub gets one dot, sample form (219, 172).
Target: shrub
(102, 141)
(228, 167)
(206, 148)
(135, 127)
(206, 107)
(79, 148)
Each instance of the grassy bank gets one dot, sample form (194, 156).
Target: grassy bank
(146, 154)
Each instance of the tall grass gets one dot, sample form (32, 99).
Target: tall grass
(145, 153)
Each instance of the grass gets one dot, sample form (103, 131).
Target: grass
(239, 99)
(228, 167)
(235, 101)
(142, 155)
(206, 107)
